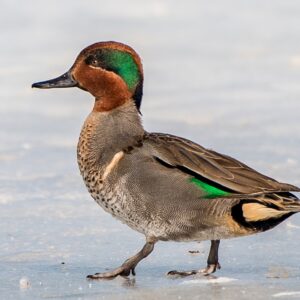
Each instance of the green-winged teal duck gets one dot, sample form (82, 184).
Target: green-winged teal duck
(165, 187)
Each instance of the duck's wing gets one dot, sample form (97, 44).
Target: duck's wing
(217, 170)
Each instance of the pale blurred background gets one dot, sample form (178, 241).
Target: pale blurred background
(222, 73)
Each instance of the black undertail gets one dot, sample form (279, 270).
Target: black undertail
(262, 225)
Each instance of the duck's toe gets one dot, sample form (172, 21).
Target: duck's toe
(175, 273)
(211, 268)
(122, 271)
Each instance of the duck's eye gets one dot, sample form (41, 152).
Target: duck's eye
(92, 61)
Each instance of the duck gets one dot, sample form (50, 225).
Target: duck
(166, 187)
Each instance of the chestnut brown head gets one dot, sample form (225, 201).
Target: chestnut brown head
(112, 72)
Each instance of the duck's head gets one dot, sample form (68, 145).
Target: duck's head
(112, 72)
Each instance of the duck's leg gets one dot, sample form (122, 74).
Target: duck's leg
(128, 266)
(213, 258)
(212, 262)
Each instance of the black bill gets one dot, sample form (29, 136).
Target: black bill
(64, 81)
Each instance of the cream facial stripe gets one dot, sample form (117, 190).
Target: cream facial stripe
(112, 164)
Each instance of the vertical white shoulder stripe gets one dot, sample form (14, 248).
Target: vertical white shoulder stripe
(112, 164)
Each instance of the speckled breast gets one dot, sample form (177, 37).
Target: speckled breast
(110, 197)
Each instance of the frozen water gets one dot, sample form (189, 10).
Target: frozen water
(223, 73)
(287, 294)
(205, 280)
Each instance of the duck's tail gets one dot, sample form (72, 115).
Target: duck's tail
(284, 201)
(266, 211)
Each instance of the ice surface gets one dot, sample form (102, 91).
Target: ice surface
(223, 73)
(208, 280)
(287, 294)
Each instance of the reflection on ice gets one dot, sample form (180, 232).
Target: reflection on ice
(210, 279)
(287, 294)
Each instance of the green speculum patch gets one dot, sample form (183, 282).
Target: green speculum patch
(209, 190)
(123, 64)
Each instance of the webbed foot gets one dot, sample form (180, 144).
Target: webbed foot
(212, 263)
(182, 273)
(128, 266)
(122, 271)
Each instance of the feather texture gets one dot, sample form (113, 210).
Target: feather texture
(215, 167)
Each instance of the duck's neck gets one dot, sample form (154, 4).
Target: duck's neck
(106, 133)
